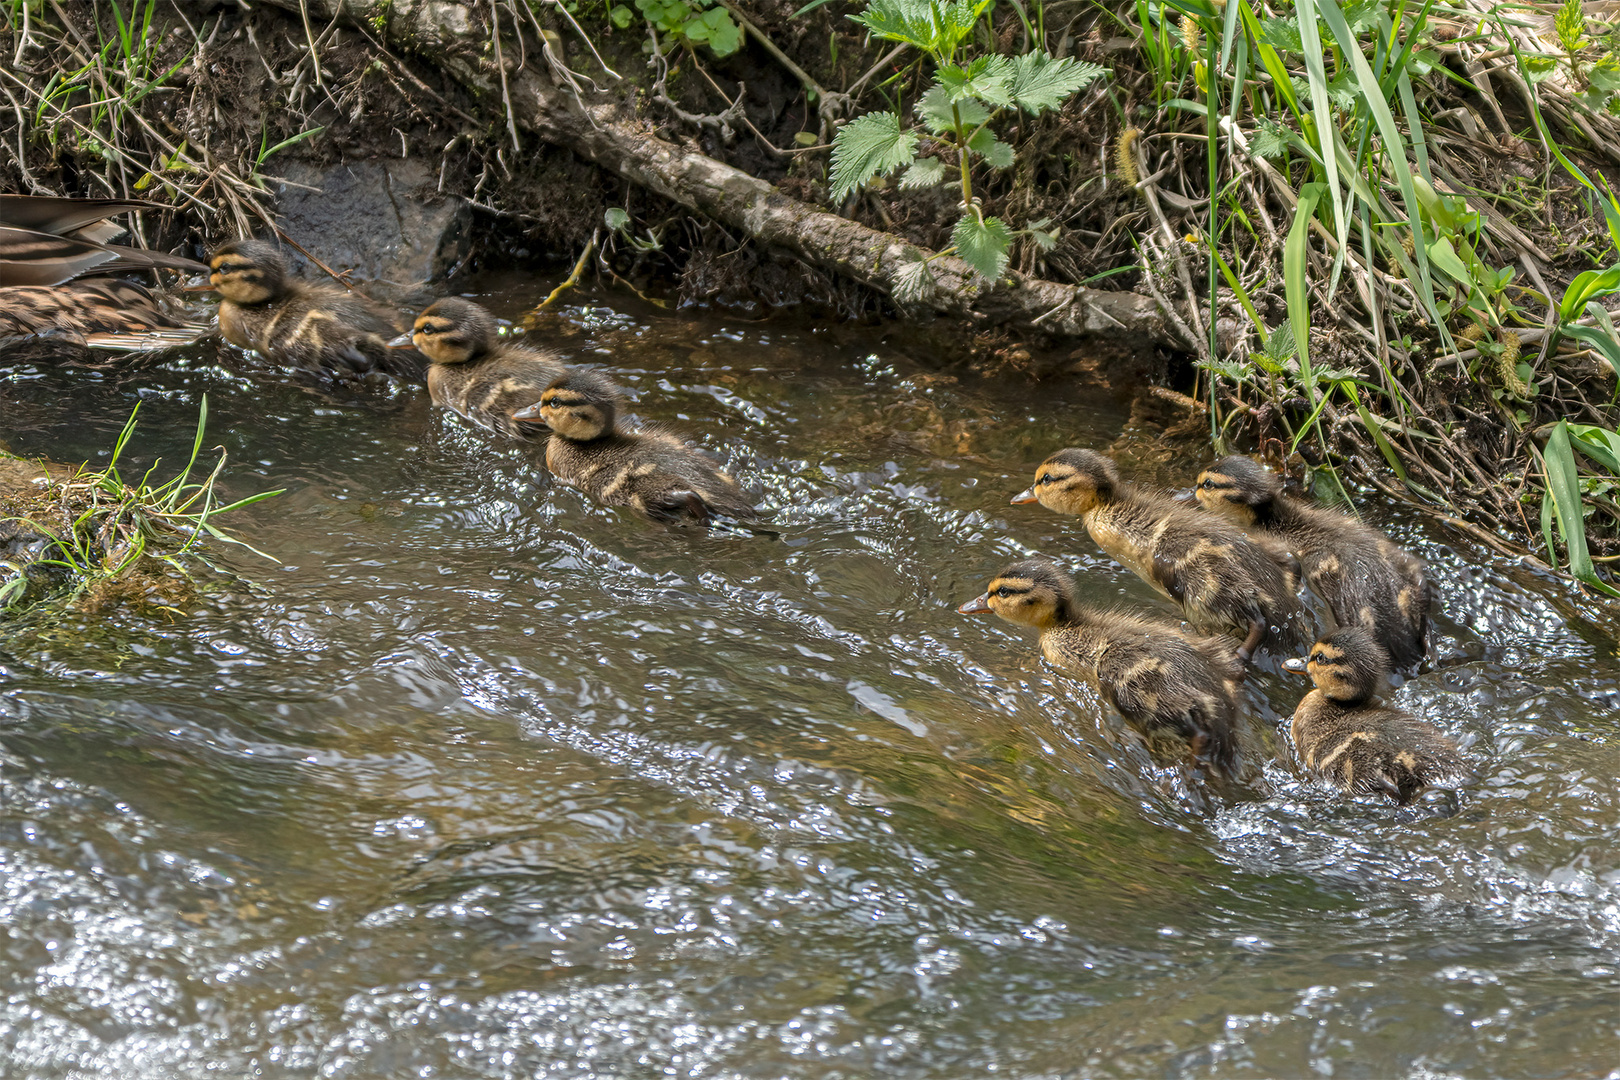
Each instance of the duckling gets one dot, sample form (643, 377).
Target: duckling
(1156, 676)
(312, 326)
(1223, 580)
(474, 373)
(1344, 732)
(1364, 578)
(46, 242)
(648, 469)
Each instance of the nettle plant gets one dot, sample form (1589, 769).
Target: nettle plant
(957, 111)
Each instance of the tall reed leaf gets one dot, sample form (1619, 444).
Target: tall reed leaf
(1564, 487)
(1322, 110)
(1372, 95)
(1296, 288)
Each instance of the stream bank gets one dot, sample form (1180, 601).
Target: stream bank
(686, 177)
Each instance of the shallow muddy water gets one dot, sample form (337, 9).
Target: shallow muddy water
(483, 780)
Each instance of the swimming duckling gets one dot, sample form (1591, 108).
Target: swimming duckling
(1344, 732)
(1364, 579)
(473, 372)
(312, 326)
(46, 242)
(648, 469)
(1223, 580)
(1156, 676)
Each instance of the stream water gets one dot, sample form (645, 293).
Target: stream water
(483, 780)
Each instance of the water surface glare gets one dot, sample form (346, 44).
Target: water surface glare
(483, 780)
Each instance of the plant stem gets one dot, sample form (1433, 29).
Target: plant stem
(962, 155)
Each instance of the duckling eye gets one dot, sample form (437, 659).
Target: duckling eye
(1044, 478)
(1002, 592)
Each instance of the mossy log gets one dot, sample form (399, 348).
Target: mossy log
(600, 129)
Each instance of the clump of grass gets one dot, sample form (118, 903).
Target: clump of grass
(104, 540)
(1436, 323)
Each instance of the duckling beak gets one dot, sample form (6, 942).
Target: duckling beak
(1296, 664)
(1190, 496)
(403, 341)
(977, 606)
(1025, 496)
(200, 284)
(529, 412)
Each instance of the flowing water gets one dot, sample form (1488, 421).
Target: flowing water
(482, 780)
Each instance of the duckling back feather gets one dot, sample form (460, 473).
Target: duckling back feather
(1360, 574)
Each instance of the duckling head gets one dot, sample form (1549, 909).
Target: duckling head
(1348, 666)
(1072, 482)
(451, 331)
(1033, 592)
(1237, 489)
(581, 405)
(248, 272)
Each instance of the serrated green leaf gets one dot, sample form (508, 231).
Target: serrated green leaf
(913, 283)
(924, 172)
(1344, 90)
(983, 245)
(1280, 344)
(1039, 82)
(1270, 140)
(1605, 76)
(1538, 69)
(997, 153)
(1044, 240)
(868, 146)
(934, 110)
(987, 79)
(1281, 34)
(1363, 14)
(935, 26)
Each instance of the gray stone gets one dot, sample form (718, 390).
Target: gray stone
(384, 220)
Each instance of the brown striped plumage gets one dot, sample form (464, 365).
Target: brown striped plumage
(1345, 733)
(1223, 580)
(648, 469)
(47, 241)
(1156, 676)
(474, 373)
(310, 326)
(1364, 578)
